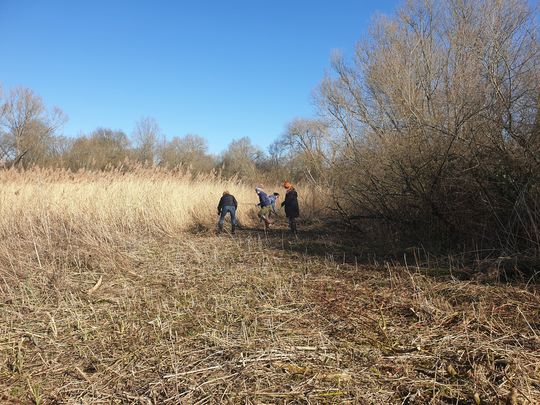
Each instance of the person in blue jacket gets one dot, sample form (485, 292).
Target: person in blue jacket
(273, 200)
(265, 206)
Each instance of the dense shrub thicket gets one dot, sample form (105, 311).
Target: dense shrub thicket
(434, 126)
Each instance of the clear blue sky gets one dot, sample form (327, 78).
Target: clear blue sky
(219, 69)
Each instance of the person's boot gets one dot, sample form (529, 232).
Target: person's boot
(233, 229)
(219, 228)
(293, 228)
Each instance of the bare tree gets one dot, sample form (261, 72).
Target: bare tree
(102, 149)
(241, 158)
(27, 126)
(308, 148)
(148, 138)
(189, 151)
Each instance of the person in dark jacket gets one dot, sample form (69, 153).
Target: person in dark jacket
(292, 211)
(227, 203)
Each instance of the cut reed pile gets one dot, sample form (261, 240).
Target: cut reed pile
(173, 317)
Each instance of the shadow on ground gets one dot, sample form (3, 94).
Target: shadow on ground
(340, 244)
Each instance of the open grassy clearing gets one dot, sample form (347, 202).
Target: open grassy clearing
(206, 319)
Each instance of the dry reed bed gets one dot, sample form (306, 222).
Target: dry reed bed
(101, 204)
(96, 310)
(144, 201)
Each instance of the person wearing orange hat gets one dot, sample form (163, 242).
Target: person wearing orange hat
(292, 211)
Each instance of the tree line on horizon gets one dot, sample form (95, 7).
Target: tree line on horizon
(30, 135)
(431, 129)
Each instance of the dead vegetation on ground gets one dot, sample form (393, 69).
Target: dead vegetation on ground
(205, 319)
(105, 298)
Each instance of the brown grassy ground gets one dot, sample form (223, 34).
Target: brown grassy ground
(253, 319)
(107, 296)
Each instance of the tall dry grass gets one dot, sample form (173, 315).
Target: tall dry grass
(102, 204)
(51, 219)
(49, 203)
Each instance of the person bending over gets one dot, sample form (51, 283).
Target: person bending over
(265, 206)
(227, 204)
(273, 200)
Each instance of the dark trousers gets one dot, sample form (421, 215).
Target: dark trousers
(292, 224)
